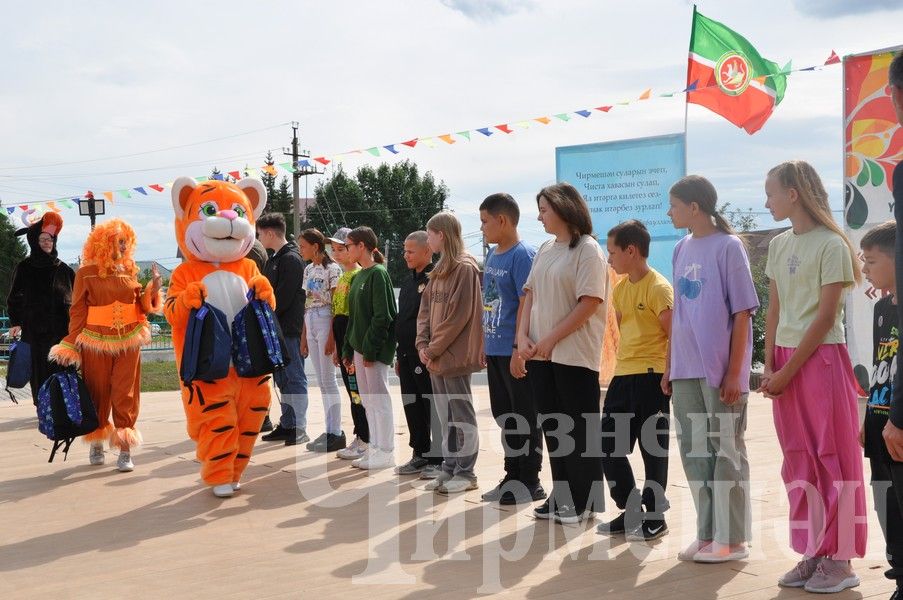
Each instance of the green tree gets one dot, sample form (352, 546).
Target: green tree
(744, 221)
(393, 200)
(12, 251)
(269, 181)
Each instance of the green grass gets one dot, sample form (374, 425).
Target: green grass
(159, 376)
(155, 376)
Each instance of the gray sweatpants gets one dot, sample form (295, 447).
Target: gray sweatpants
(713, 453)
(454, 406)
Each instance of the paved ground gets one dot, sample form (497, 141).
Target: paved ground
(308, 526)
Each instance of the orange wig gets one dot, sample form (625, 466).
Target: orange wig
(102, 248)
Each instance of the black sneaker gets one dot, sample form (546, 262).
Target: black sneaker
(299, 438)
(568, 515)
(334, 443)
(893, 573)
(543, 511)
(651, 529)
(495, 494)
(279, 434)
(619, 524)
(319, 444)
(267, 424)
(522, 495)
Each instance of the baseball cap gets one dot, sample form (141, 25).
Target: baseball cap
(340, 236)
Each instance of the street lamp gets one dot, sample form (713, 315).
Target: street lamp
(89, 206)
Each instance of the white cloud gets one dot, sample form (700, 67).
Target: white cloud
(489, 10)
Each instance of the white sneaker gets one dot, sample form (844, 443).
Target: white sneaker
(356, 463)
(96, 455)
(354, 451)
(378, 459)
(125, 464)
(223, 491)
(438, 482)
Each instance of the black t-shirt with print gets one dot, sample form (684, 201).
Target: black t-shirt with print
(884, 368)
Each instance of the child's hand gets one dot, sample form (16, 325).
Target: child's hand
(304, 349)
(730, 390)
(666, 382)
(335, 358)
(544, 347)
(483, 362)
(349, 365)
(330, 346)
(526, 348)
(516, 367)
(424, 359)
(776, 384)
(893, 438)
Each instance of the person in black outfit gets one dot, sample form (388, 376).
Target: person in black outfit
(259, 255)
(416, 388)
(878, 254)
(40, 296)
(285, 270)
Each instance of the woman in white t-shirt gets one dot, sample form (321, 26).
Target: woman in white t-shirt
(320, 279)
(560, 335)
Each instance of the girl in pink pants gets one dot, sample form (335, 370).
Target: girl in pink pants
(810, 380)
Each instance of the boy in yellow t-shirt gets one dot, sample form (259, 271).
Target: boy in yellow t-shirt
(635, 405)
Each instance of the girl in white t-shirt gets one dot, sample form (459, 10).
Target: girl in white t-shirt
(320, 279)
(560, 335)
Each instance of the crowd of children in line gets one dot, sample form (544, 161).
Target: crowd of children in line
(536, 323)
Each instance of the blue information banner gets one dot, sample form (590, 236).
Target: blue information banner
(629, 179)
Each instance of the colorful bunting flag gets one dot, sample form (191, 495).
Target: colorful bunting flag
(410, 143)
(485, 131)
(447, 138)
(645, 95)
(465, 135)
(563, 116)
(108, 196)
(156, 187)
(504, 128)
(322, 160)
(603, 108)
(543, 120)
(235, 175)
(833, 59)
(374, 151)
(583, 113)
(391, 148)
(140, 190)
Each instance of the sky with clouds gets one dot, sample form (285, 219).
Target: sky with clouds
(87, 81)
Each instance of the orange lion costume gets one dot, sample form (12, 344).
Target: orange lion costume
(215, 229)
(107, 327)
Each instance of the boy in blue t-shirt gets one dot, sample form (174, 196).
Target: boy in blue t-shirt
(878, 253)
(510, 395)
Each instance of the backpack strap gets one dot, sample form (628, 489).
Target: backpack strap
(10, 392)
(66, 443)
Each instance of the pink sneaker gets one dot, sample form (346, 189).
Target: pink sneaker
(831, 576)
(800, 574)
(721, 553)
(693, 549)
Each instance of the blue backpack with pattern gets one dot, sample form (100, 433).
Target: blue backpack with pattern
(65, 410)
(258, 346)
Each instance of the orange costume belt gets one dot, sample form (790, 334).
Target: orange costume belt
(116, 315)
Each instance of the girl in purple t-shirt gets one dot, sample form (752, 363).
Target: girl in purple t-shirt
(707, 373)
(809, 377)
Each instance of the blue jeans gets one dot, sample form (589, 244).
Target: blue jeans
(292, 384)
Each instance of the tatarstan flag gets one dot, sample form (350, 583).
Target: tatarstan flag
(727, 75)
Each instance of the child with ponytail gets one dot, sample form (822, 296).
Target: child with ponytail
(369, 346)
(810, 380)
(707, 372)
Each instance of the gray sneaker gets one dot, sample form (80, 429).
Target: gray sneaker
(413, 467)
(125, 464)
(831, 576)
(96, 455)
(430, 471)
(800, 574)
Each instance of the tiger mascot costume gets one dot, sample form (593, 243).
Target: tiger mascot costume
(215, 229)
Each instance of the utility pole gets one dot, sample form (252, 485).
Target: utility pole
(299, 172)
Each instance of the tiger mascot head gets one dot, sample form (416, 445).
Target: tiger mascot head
(215, 219)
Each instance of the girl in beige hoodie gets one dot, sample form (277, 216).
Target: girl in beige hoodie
(450, 344)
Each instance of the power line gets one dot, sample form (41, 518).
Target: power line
(144, 153)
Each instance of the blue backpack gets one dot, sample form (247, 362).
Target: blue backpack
(18, 369)
(65, 410)
(258, 346)
(205, 354)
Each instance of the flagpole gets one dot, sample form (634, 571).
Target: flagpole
(687, 93)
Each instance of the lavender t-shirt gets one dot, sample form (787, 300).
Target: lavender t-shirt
(712, 282)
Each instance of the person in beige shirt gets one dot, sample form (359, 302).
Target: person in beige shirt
(560, 337)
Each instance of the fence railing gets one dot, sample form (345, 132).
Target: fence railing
(161, 339)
